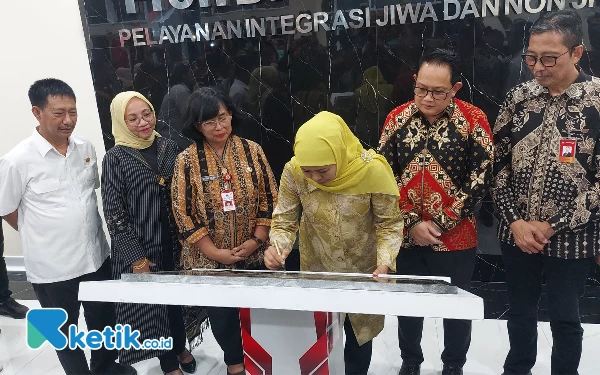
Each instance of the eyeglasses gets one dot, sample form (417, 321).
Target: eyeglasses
(547, 61)
(148, 116)
(212, 124)
(437, 95)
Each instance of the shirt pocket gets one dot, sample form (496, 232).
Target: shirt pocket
(88, 173)
(86, 179)
(47, 193)
(88, 176)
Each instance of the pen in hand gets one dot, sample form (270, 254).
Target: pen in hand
(279, 253)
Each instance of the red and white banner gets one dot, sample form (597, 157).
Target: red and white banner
(292, 342)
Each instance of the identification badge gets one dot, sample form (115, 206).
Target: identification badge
(567, 147)
(209, 178)
(227, 200)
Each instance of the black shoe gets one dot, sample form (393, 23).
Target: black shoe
(408, 369)
(13, 309)
(450, 370)
(117, 369)
(189, 367)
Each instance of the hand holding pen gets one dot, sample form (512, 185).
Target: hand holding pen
(275, 257)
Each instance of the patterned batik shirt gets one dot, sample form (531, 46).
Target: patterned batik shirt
(531, 183)
(443, 169)
(338, 233)
(199, 180)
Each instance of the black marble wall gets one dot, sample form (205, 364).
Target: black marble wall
(292, 77)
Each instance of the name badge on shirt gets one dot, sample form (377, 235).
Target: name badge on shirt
(227, 200)
(209, 178)
(567, 147)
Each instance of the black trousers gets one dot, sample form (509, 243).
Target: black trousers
(5, 293)
(459, 266)
(169, 361)
(225, 326)
(356, 358)
(565, 282)
(98, 315)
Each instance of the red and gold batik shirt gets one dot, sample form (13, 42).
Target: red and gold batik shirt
(443, 169)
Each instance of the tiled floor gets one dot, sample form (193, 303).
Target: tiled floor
(488, 349)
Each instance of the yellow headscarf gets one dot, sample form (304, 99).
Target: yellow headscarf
(326, 140)
(124, 136)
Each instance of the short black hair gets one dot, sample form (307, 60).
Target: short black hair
(566, 22)
(204, 105)
(243, 65)
(41, 90)
(443, 57)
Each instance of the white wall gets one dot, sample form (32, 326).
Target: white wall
(46, 40)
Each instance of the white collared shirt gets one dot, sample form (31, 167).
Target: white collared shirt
(59, 223)
(238, 88)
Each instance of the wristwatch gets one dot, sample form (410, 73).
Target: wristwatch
(258, 241)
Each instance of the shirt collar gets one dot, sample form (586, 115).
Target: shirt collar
(241, 83)
(449, 111)
(573, 91)
(185, 87)
(44, 146)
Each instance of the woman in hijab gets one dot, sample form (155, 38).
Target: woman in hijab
(136, 182)
(372, 103)
(223, 197)
(350, 220)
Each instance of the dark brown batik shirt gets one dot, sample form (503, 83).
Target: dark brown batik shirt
(198, 181)
(531, 183)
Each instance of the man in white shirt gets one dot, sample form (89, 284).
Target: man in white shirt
(47, 193)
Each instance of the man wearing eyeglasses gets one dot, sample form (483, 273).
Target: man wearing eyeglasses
(547, 190)
(441, 151)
